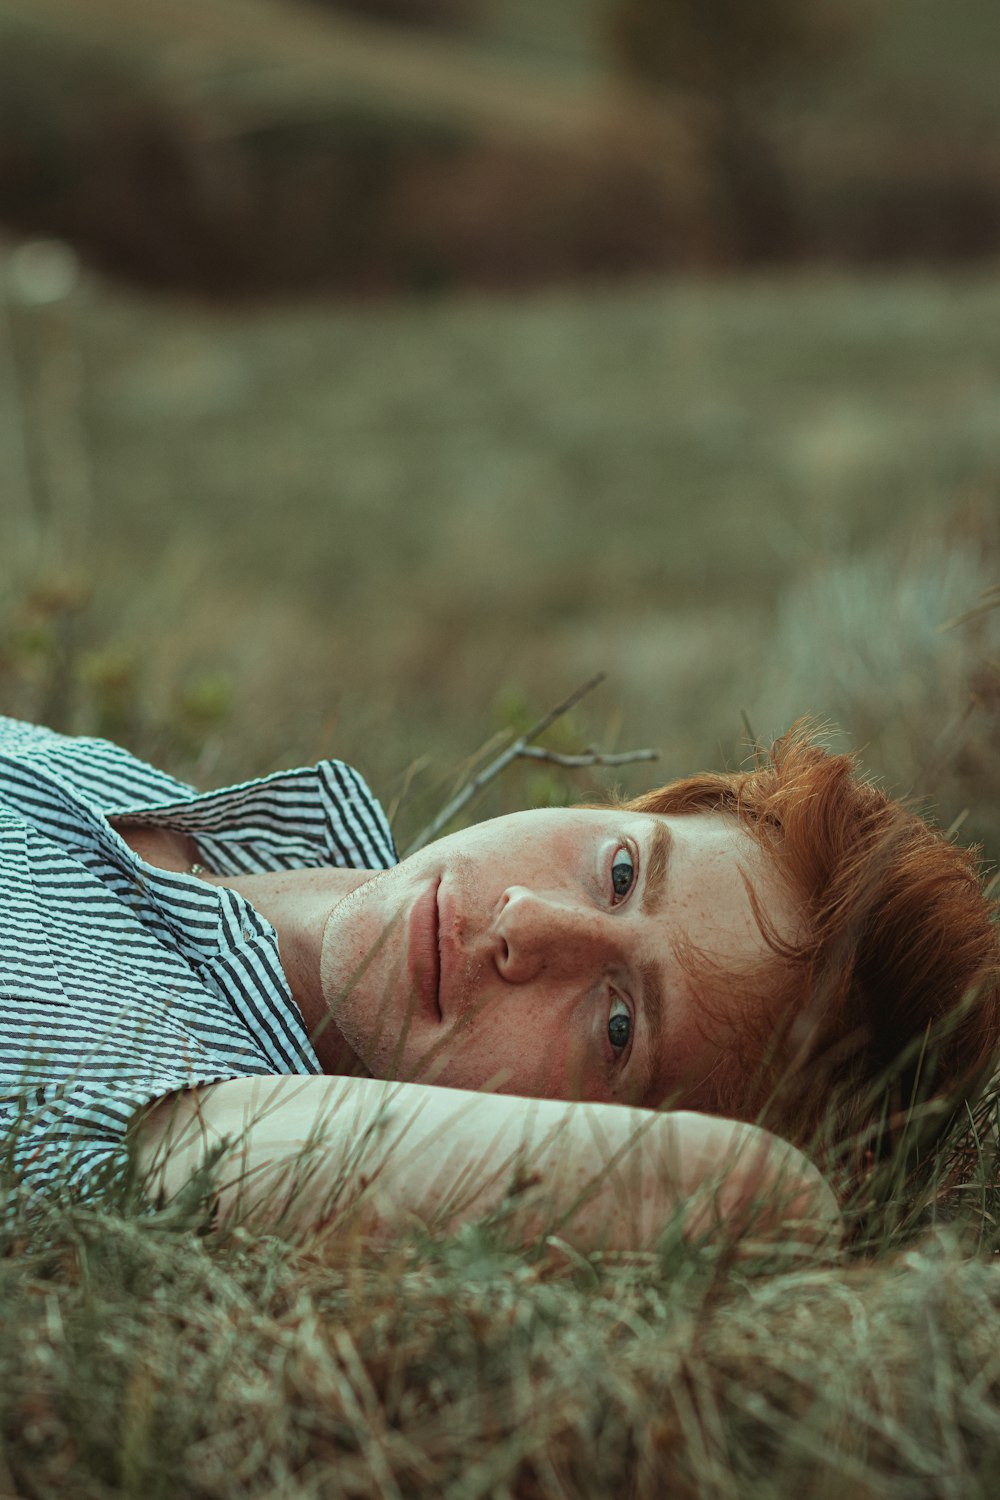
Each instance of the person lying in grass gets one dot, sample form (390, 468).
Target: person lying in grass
(571, 1015)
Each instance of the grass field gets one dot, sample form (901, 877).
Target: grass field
(393, 532)
(394, 529)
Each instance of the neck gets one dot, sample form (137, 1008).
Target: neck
(297, 903)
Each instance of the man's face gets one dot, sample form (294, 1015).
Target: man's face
(537, 954)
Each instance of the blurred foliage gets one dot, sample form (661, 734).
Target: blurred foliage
(730, 50)
(59, 666)
(258, 147)
(241, 541)
(900, 645)
(449, 14)
(733, 55)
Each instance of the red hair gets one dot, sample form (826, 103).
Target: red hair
(893, 992)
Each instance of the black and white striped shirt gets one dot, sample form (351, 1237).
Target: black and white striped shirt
(121, 982)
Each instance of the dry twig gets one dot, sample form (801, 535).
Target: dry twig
(523, 748)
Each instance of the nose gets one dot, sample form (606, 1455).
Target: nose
(536, 934)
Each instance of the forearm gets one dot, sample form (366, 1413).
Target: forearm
(301, 1151)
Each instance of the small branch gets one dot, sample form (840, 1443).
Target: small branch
(523, 749)
(586, 757)
(562, 708)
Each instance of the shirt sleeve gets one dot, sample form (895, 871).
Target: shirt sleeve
(122, 982)
(95, 770)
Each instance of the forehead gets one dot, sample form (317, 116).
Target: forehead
(701, 835)
(712, 871)
(715, 839)
(718, 880)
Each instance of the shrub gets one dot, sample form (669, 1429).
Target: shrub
(730, 54)
(452, 14)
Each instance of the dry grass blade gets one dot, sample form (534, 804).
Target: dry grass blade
(990, 600)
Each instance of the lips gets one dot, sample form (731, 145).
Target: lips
(423, 959)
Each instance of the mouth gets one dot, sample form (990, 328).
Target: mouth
(423, 959)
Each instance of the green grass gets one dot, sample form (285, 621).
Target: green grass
(388, 532)
(142, 1356)
(377, 522)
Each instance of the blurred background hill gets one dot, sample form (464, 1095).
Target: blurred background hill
(262, 146)
(372, 372)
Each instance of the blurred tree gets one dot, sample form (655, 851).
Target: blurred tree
(446, 14)
(733, 55)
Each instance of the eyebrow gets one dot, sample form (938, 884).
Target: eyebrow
(654, 888)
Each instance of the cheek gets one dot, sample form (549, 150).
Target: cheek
(502, 1056)
(362, 965)
(371, 922)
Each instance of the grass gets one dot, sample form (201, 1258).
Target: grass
(142, 1356)
(474, 504)
(391, 532)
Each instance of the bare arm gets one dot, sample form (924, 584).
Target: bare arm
(300, 1152)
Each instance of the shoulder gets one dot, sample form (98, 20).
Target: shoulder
(105, 774)
(320, 814)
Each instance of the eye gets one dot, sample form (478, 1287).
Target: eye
(622, 872)
(619, 1026)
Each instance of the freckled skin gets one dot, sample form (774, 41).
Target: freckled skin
(534, 946)
(535, 951)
